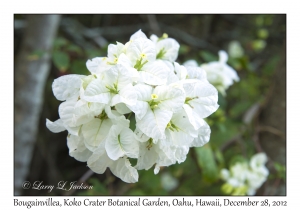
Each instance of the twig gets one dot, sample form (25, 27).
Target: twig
(153, 24)
(251, 113)
(75, 31)
(256, 142)
(207, 25)
(86, 176)
(194, 157)
(189, 39)
(275, 186)
(272, 130)
(109, 179)
(230, 142)
(119, 31)
(82, 179)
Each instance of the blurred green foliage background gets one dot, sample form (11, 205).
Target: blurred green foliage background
(82, 37)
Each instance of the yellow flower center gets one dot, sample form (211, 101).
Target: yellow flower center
(164, 36)
(154, 96)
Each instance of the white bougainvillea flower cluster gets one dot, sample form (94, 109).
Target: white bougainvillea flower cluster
(138, 103)
(219, 74)
(245, 178)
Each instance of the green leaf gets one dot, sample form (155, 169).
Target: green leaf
(226, 188)
(221, 127)
(94, 53)
(132, 124)
(259, 20)
(281, 170)
(60, 42)
(79, 67)
(136, 192)
(270, 65)
(207, 163)
(239, 109)
(220, 158)
(222, 101)
(237, 159)
(263, 33)
(148, 184)
(224, 131)
(61, 60)
(208, 57)
(74, 48)
(258, 45)
(184, 49)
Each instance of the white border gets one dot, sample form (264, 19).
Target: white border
(155, 7)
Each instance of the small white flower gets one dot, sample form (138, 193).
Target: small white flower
(99, 162)
(248, 176)
(235, 49)
(122, 168)
(154, 73)
(67, 87)
(154, 123)
(166, 48)
(98, 65)
(115, 87)
(138, 34)
(113, 52)
(77, 148)
(257, 164)
(219, 73)
(121, 142)
(191, 63)
(141, 51)
(56, 126)
(77, 112)
(161, 104)
(168, 182)
(200, 102)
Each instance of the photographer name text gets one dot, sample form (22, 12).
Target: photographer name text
(62, 185)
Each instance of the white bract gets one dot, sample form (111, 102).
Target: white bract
(245, 178)
(218, 73)
(138, 103)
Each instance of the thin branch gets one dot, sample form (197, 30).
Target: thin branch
(272, 130)
(188, 39)
(256, 143)
(153, 24)
(82, 179)
(194, 157)
(274, 187)
(110, 180)
(86, 176)
(230, 142)
(70, 26)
